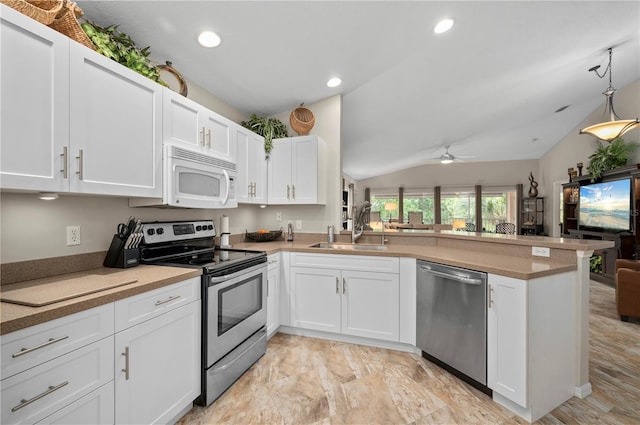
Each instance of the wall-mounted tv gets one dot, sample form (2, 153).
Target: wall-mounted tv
(605, 206)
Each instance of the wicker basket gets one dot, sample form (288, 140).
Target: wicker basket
(302, 120)
(43, 11)
(263, 237)
(67, 23)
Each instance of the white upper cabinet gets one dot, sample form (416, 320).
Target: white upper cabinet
(72, 119)
(296, 171)
(193, 126)
(116, 144)
(34, 103)
(251, 181)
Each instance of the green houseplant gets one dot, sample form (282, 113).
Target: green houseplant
(607, 157)
(268, 127)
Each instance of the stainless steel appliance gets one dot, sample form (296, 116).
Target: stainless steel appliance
(234, 298)
(192, 179)
(451, 328)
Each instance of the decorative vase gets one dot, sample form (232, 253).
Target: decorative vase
(533, 189)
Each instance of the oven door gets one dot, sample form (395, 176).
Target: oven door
(236, 309)
(195, 180)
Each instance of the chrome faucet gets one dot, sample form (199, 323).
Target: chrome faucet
(358, 221)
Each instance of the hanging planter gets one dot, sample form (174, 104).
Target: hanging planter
(302, 120)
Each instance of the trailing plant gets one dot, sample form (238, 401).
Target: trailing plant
(268, 127)
(116, 45)
(607, 157)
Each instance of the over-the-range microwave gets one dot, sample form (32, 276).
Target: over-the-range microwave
(192, 179)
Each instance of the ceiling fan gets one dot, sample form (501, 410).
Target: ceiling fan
(448, 158)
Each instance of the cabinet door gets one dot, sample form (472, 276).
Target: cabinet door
(218, 136)
(273, 295)
(279, 188)
(304, 170)
(157, 366)
(370, 305)
(95, 408)
(315, 302)
(259, 168)
(507, 338)
(34, 105)
(115, 128)
(180, 124)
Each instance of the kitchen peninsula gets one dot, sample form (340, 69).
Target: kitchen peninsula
(538, 326)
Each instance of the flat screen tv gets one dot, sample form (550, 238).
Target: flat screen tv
(605, 206)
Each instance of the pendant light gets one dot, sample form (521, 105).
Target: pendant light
(615, 127)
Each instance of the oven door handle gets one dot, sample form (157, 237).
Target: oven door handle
(220, 279)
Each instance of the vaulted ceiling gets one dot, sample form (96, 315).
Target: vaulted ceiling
(489, 87)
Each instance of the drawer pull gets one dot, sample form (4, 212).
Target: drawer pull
(126, 363)
(37, 347)
(24, 403)
(167, 300)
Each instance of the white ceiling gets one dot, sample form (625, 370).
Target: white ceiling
(488, 87)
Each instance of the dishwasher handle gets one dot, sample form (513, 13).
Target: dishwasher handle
(464, 279)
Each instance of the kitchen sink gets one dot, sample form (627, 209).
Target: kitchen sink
(349, 246)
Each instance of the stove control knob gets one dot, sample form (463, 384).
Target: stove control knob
(151, 232)
(198, 228)
(210, 227)
(160, 230)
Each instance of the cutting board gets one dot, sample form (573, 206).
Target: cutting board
(38, 293)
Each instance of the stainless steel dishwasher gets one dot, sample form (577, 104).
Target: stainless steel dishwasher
(451, 328)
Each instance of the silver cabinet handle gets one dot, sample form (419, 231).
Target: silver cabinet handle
(65, 170)
(337, 284)
(126, 363)
(202, 137)
(255, 190)
(167, 300)
(209, 138)
(250, 190)
(344, 286)
(293, 191)
(490, 297)
(24, 351)
(80, 159)
(288, 188)
(24, 403)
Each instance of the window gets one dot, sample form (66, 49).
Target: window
(418, 200)
(380, 200)
(458, 207)
(498, 206)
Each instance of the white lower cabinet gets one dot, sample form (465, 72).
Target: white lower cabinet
(157, 363)
(339, 296)
(273, 294)
(94, 408)
(530, 342)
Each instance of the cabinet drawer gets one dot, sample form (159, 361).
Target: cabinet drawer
(346, 262)
(96, 408)
(40, 391)
(137, 309)
(37, 344)
(273, 261)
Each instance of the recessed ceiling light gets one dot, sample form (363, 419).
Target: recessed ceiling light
(443, 26)
(209, 39)
(334, 82)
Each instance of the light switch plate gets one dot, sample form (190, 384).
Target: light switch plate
(539, 251)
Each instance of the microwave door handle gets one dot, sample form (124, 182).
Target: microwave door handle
(226, 196)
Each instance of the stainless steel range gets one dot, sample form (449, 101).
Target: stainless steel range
(234, 297)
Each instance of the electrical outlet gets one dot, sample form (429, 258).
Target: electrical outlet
(73, 235)
(298, 224)
(278, 216)
(540, 251)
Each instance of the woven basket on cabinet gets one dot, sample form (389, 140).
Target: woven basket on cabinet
(67, 23)
(302, 120)
(43, 11)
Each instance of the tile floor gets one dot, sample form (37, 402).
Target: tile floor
(311, 381)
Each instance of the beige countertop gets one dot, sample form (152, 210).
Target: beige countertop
(14, 317)
(507, 255)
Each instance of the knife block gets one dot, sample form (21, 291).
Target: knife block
(119, 257)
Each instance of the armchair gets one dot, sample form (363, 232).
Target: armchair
(628, 288)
